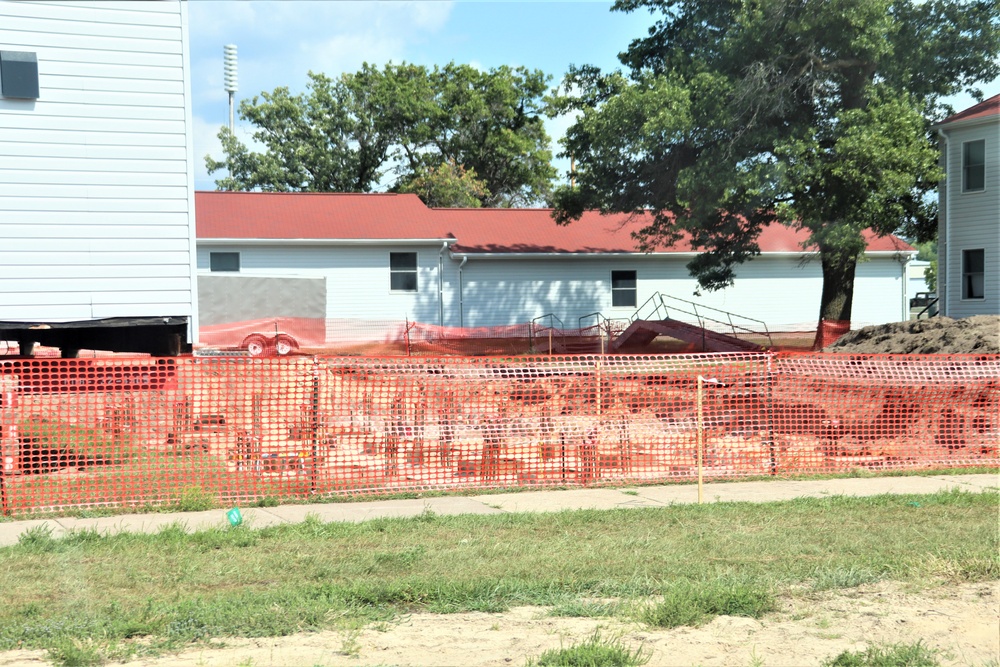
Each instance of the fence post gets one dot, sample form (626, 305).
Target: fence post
(9, 445)
(700, 433)
(314, 424)
(769, 379)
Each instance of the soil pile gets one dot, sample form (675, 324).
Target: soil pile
(938, 335)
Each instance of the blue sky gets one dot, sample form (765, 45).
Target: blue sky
(280, 41)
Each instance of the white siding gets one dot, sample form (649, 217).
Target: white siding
(96, 175)
(972, 221)
(357, 277)
(782, 291)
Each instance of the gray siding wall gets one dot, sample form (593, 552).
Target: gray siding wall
(96, 175)
(971, 221)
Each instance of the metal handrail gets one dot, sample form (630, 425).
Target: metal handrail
(659, 300)
(605, 327)
(551, 328)
(931, 304)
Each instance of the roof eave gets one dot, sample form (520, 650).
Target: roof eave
(325, 242)
(966, 122)
(577, 255)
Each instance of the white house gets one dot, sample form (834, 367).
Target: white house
(969, 218)
(389, 257)
(96, 176)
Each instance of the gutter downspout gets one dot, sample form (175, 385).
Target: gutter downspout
(444, 246)
(942, 278)
(461, 293)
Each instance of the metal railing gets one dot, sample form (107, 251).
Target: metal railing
(548, 330)
(930, 310)
(655, 308)
(605, 327)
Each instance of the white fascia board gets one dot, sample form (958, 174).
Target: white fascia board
(326, 242)
(660, 255)
(968, 122)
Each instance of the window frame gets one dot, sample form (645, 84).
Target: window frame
(966, 166)
(213, 254)
(968, 275)
(634, 289)
(403, 272)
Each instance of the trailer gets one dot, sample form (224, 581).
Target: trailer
(97, 221)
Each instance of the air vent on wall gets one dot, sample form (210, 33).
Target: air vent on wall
(19, 74)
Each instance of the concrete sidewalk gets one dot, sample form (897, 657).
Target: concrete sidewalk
(528, 501)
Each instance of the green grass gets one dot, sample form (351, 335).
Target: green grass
(139, 593)
(894, 655)
(695, 602)
(596, 651)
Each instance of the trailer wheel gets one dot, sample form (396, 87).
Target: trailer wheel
(285, 344)
(255, 344)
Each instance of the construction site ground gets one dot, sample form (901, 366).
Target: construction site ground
(937, 335)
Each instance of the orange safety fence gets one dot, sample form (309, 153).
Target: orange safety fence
(262, 337)
(128, 433)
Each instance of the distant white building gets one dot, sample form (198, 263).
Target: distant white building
(96, 176)
(916, 278)
(389, 257)
(969, 218)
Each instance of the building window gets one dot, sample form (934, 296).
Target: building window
(19, 74)
(224, 261)
(623, 289)
(974, 166)
(403, 271)
(973, 274)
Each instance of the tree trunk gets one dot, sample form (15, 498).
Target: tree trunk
(837, 298)
(838, 287)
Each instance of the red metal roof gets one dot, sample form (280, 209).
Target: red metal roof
(307, 215)
(338, 216)
(986, 108)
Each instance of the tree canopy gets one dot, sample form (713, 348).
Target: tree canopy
(447, 186)
(736, 114)
(390, 127)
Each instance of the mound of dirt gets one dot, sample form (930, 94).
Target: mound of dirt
(938, 335)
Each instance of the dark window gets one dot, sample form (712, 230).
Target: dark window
(225, 261)
(19, 74)
(623, 289)
(973, 274)
(403, 271)
(974, 166)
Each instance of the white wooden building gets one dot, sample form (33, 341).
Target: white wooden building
(969, 212)
(96, 174)
(388, 257)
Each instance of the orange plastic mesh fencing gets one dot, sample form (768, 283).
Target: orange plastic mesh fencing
(133, 432)
(833, 413)
(829, 331)
(281, 336)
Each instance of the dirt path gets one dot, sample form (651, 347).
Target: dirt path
(962, 621)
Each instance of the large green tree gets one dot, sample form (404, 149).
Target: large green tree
(448, 185)
(390, 126)
(736, 114)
